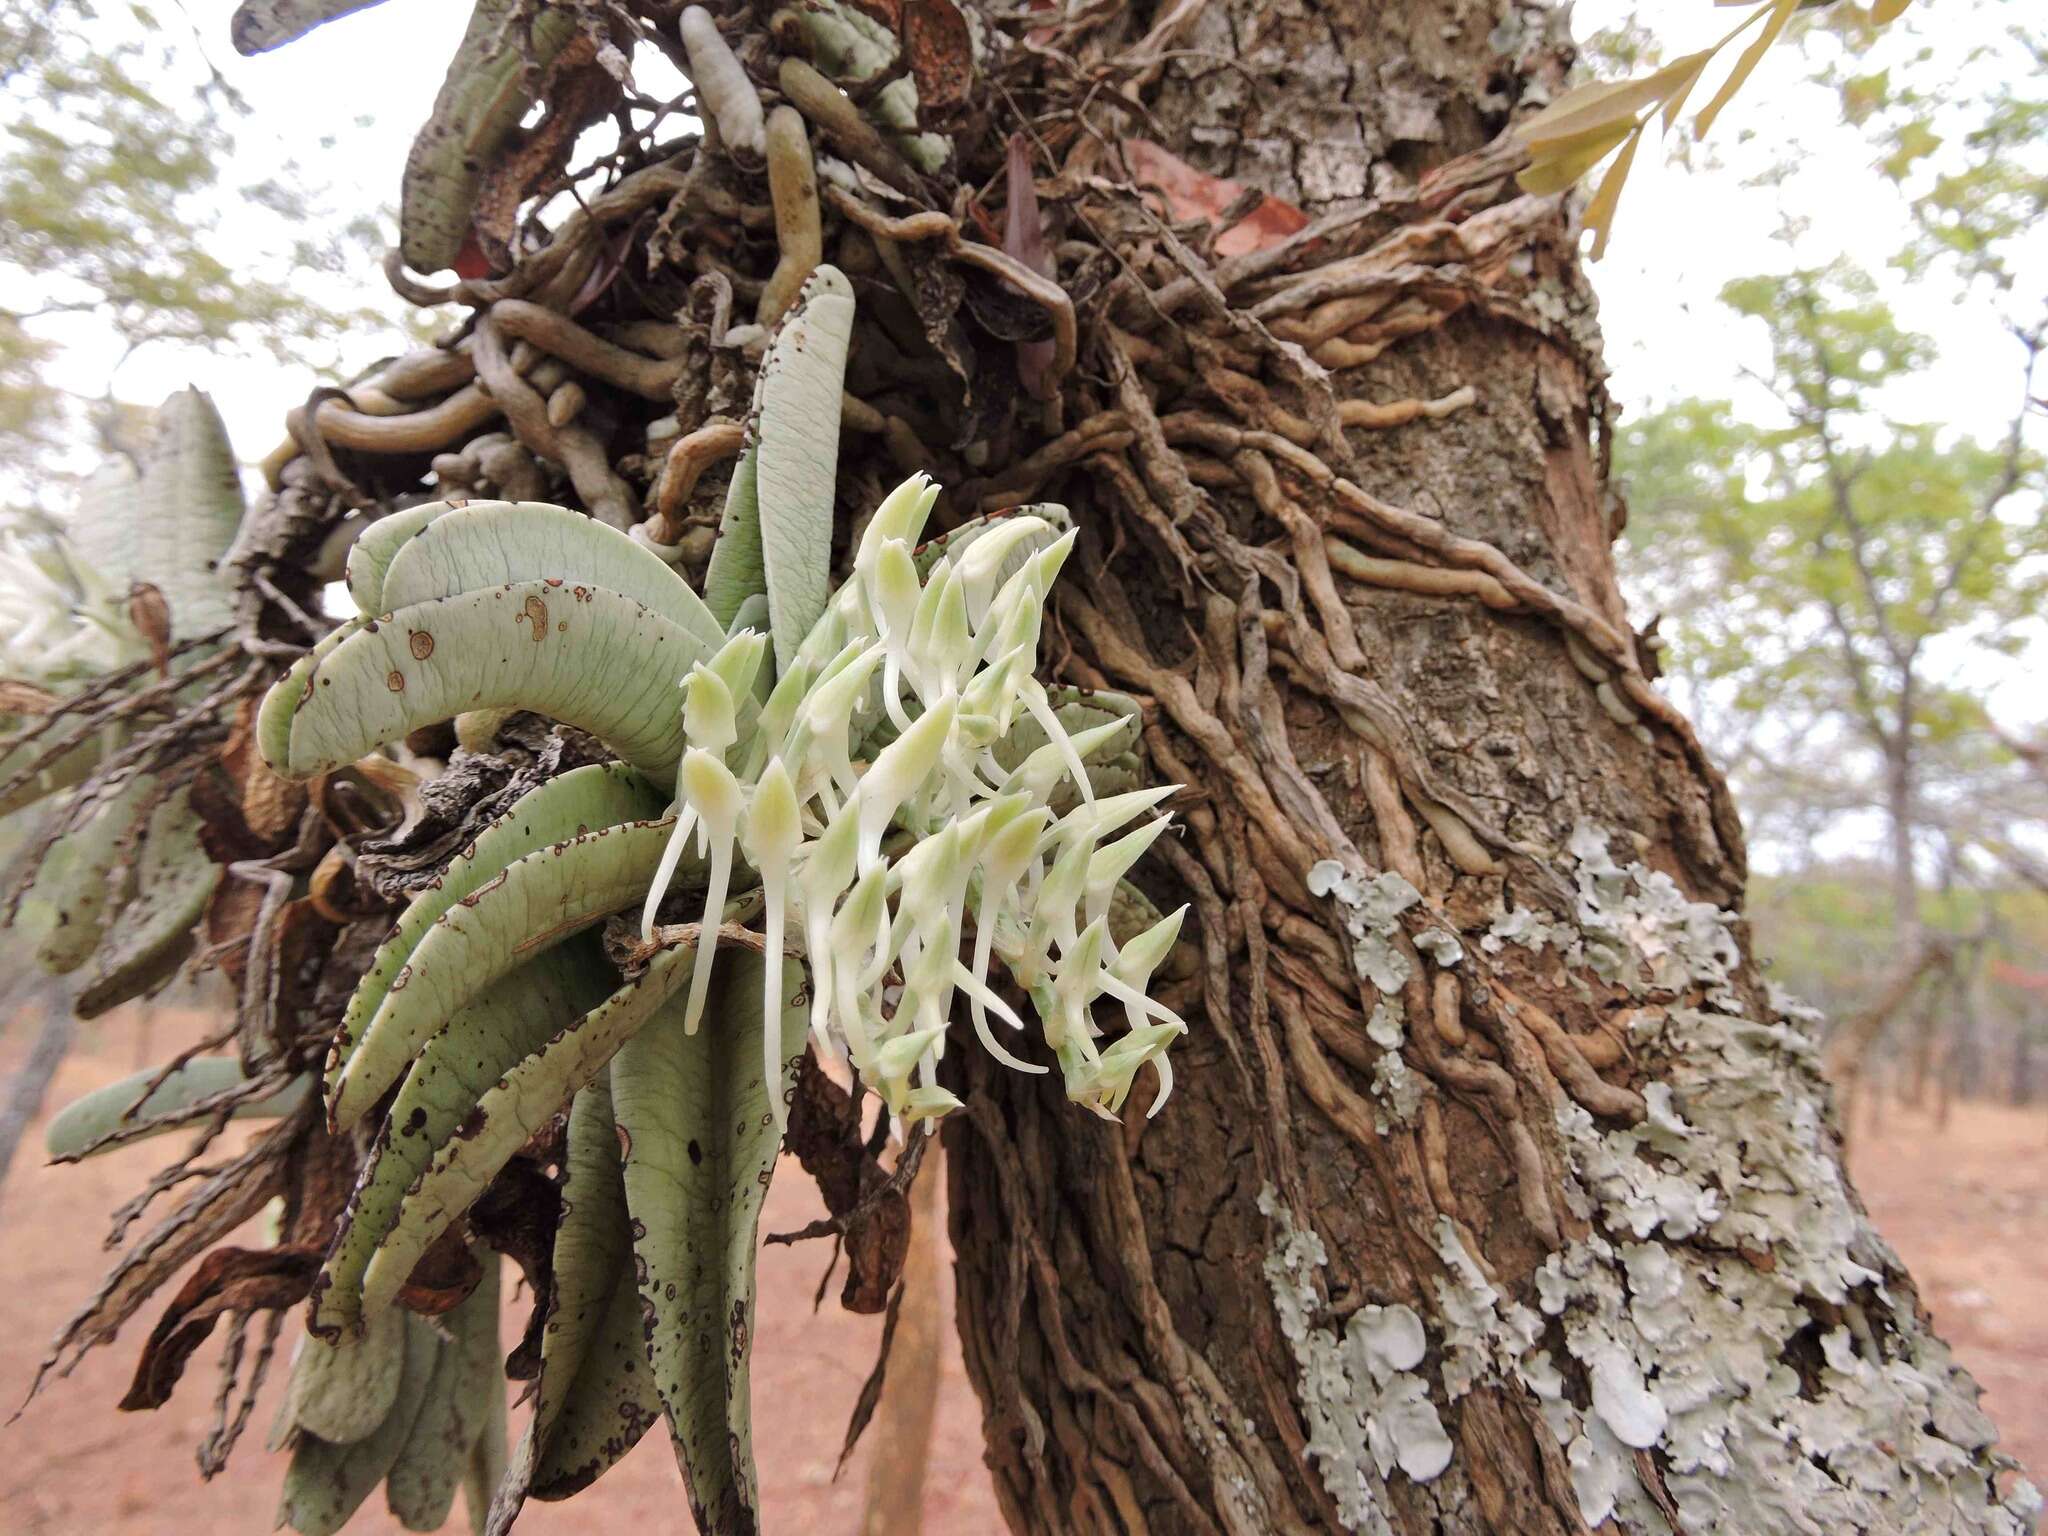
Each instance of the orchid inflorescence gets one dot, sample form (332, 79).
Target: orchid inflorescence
(868, 793)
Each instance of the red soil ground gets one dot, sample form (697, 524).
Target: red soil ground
(1967, 1208)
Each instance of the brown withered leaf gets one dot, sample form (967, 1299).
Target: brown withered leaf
(1185, 194)
(517, 1216)
(444, 1276)
(871, 1390)
(227, 1280)
(230, 920)
(578, 91)
(269, 803)
(322, 1177)
(940, 51)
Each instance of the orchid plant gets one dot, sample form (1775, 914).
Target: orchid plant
(868, 793)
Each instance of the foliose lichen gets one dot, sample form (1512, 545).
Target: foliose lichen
(1729, 1309)
(1367, 1410)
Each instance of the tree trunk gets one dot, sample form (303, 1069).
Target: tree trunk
(1515, 1207)
(901, 1437)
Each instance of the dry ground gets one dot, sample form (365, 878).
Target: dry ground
(1967, 1208)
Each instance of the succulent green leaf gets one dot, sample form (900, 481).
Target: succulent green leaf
(797, 461)
(736, 573)
(420, 1487)
(486, 1468)
(700, 1142)
(65, 908)
(1113, 761)
(378, 545)
(188, 509)
(492, 543)
(536, 902)
(477, 113)
(507, 1116)
(595, 1397)
(72, 767)
(342, 1389)
(154, 930)
(508, 1021)
(281, 703)
(584, 655)
(567, 806)
(328, 1481)
(86, 1120)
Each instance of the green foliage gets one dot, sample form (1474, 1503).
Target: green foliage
(1968, 146)
(1829, 574)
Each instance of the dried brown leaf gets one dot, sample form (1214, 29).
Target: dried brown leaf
(227, 1280)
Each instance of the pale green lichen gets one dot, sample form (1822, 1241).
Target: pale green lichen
(1366, 1410)
(1397, 1090)
(1725, 1239)
(1372, 913)
(1386, 1027)
(1441, 945)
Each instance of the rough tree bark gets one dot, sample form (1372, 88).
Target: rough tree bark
(1578, 1139)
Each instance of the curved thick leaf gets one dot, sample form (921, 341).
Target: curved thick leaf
(508, 1021)
(736, 574)
(420, 1487)
(378, 545)
(506, 1118)
(326, 1482)
(537, 902)
(477, 112)
(486, 1467)
(342, 1389)
(491, 543)
(567, 806)
(154, 931)
(582, 655)
(797, 462)
(595, 1397)
(65, 908)
(699, 1142)
(281, 703)
(84, 1121)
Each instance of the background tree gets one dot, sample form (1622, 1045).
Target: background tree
(1845, 587)
(121, 211)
